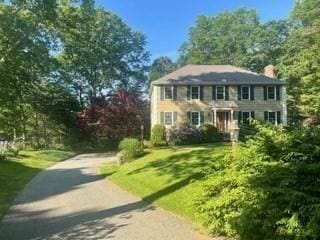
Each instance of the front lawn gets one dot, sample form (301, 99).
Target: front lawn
(16, 172)
(169, 177)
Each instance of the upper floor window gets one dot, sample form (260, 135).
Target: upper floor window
(195, 92)
(220, 92)
(168, 118)
(168, 92)
(271, 92)
(245, 92)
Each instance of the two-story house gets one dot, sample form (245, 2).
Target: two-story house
(222, 95)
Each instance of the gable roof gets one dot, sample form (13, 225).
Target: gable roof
(214, 74)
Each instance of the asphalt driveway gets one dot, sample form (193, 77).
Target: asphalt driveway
(71, 201)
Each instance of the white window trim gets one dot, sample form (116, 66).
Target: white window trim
(224, 93)
(276, 117)
(164, 92)
(199, 123)
(275, 92)
(198, 92)
(249, 95)
(171, 119)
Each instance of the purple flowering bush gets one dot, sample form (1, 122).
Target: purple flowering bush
(183, 135)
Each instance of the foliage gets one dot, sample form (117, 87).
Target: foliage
(131, 148)
(160, 67)
(158, 135)
(235, 38)
(267, 188)
(209, 133)
(246, 131)
(183, 134)
(99, 52)
(14, 150)
(114, 118)
(3, 154)
(300, 65)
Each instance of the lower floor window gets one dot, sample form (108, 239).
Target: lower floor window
(246, 117)
(168, 118)
(272, 117)
(195, 118)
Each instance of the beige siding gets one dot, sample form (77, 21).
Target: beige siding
(182, 105)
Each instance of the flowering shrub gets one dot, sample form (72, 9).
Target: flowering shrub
(183, 135)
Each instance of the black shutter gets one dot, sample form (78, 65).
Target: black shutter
(189, 117)
(188, 92)
(265, 93)
(226, 92)
(175, 90)
(161, 93)
(251, 92)
(278, 92)
(214, 93)
(213, 117)
(279, 117)
(201, 93)
(252, 114)
(239, 93)
(239, 117)
(266, 115)
(162, 118)
(201, 117)
(175, 114)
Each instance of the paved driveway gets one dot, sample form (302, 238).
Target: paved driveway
(71, 201)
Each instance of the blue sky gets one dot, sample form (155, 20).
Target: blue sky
(166, 22)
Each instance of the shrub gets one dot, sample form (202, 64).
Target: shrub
(3, 154)
(268, 189)
(183, 135)
(14, 150)
(131, 148)
(209, 133)
(158, 135)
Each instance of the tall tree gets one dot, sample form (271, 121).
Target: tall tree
(160, 67)
(99, 52)
(235, 38)
(300, 65)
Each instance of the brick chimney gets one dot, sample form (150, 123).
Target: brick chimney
(269, 71)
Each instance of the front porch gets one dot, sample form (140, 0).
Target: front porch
(225, 121)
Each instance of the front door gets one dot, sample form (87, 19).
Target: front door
(222, 121)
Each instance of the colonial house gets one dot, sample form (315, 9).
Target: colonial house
(222, 95)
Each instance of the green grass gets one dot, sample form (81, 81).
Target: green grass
(16, 172)
(169, 177)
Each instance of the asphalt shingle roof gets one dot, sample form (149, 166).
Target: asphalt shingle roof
(214, 74)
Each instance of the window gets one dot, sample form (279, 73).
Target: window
(195, 118)
(272, 117)
(246, 117)
(245, 91)
(168, 118)
(220, 93)
(168, 92)
(271, 92)
(195, 92)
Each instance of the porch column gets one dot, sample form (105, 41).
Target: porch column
(215, 117)
(231, 119)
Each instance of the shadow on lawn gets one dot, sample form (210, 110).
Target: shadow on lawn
(182, 165)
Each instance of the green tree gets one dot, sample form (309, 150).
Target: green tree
(236, 38)
(160, 67)
(300, 65)
(99, 52)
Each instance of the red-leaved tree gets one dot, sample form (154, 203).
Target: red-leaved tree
(119, 115)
